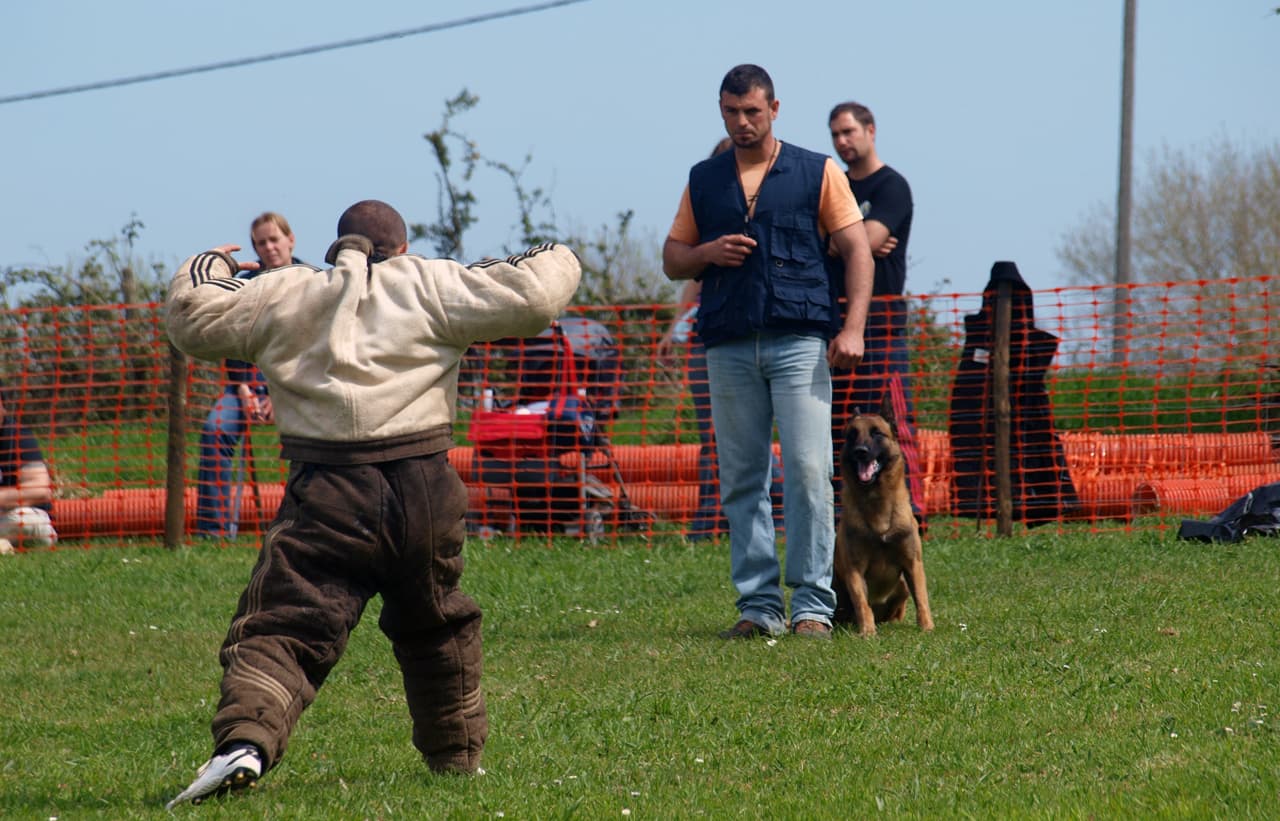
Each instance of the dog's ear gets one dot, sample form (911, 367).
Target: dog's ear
(857, 411)
(886, 412)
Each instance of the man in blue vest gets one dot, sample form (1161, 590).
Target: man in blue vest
(753, 226)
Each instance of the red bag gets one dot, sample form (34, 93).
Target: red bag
(509, 435)
(565, 424)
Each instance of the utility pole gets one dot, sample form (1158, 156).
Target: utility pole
(1124, 197)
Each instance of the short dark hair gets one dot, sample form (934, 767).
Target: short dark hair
(741, 79)
(859, 111)
(377, 221)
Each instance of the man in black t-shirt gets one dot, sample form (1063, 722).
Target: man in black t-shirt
(884, 197)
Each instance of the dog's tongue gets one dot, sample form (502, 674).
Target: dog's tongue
(868, 471)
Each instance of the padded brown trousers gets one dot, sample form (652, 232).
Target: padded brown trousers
(343, 534)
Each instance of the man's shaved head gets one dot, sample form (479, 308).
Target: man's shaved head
(378, 221)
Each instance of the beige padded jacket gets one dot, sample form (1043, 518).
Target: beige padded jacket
(362, 359)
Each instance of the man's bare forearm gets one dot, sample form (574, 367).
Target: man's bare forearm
(680, 260)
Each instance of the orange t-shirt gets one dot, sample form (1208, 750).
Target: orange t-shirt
(837, 207)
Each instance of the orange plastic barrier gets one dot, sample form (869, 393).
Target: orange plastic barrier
(1165, 451)
(1199, 497)
(1116, 476)
(140, 512)
(1105, 497)
(1125, 475)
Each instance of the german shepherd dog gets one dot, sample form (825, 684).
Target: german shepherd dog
(878, 561)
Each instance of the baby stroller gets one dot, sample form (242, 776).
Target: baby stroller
(539, 434)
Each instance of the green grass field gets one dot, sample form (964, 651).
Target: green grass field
(1070, 676)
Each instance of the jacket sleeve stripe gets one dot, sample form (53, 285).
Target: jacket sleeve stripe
(517, 258)
(203, 271)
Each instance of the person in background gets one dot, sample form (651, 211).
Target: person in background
(753, 226)
(244, 400)
(362, 360)
(26, 489)
(884, 198)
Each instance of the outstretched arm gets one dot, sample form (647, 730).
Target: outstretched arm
(494, 298)
(204, 311)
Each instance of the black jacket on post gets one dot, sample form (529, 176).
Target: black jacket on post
(1042, 487)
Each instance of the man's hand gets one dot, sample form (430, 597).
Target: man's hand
(845, 351)
(680, 260)
(885, 248)
(729, 250)
(677, 336)
(255, 408)
(879, 252)
(231, 249)
(667, 346)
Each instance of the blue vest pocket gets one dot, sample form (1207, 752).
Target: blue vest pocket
(798, 300)
(792, 243)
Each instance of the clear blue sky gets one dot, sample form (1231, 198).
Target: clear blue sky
(1003, 114)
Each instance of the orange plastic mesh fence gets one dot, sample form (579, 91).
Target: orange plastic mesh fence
(1170, 412)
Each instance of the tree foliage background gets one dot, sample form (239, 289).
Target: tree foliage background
(617, 267)
(1209, 215)
(69, 336)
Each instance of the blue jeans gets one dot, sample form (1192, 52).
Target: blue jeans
(708, 519)
(223, 430)
(755, 382)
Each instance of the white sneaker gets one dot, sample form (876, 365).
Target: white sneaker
(28, 526)
(236, 769)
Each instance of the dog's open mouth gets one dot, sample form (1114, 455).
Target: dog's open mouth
(868, 471)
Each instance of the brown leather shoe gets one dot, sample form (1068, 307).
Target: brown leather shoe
(811, 629)
(744, 629)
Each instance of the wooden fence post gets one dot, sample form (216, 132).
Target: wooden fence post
(176, 452)
(1003, 409)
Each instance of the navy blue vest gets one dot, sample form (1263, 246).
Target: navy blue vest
(783, 286)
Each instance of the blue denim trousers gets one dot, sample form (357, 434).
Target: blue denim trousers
(708, 519)
(221, 435)
(755, 382)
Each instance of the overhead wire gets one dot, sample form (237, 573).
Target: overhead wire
(284, 55)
